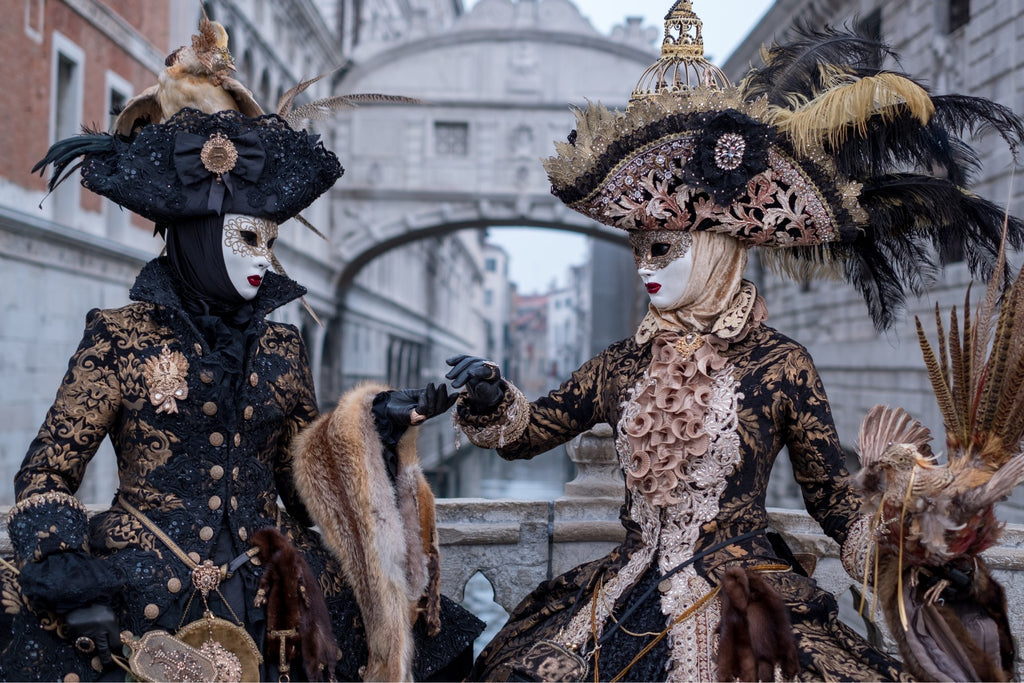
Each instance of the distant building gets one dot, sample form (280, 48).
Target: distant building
(498, 295)
(530, 367)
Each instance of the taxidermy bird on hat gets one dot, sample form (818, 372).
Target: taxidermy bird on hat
(197, 76)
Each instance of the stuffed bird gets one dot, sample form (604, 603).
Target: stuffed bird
(932, 520)
(197, 76)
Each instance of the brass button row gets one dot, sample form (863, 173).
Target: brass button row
(217, 439)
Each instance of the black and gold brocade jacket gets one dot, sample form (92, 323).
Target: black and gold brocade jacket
(780, 402)
(213, 468)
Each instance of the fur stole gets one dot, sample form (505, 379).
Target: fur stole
(755, 634)
(384, 536)
(298, 623)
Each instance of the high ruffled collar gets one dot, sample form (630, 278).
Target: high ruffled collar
(746, 311)
(155, 285)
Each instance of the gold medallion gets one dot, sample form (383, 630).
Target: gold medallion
(218, 154)
(229, 646)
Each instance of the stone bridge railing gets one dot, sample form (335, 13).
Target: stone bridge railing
(517, 544)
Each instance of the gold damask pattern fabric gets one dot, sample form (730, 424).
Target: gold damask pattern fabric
(780, 402)
(209, 476)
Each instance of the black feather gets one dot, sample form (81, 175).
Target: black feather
(962, 113)
(796, 66)
(904, 144)
(910, 210)
(65, 151)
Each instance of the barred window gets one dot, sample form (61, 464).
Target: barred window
(959, 13)
(451, 138)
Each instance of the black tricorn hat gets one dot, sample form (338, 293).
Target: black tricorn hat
(198, 164)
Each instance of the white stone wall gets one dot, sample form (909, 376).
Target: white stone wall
(859, 366)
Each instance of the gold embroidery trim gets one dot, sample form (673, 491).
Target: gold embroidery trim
(38, 499)
(509, 426)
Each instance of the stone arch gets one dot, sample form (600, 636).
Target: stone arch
(466, 156)
(446, 219)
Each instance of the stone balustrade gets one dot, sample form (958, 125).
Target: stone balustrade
(517, 544)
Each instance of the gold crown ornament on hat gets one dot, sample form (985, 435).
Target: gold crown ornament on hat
(835, 165)
(682, 65)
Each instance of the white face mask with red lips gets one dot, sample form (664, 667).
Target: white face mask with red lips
(664, 261)
(246, 244)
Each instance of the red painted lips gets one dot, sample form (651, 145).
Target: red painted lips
(653, 287)
(255, 280)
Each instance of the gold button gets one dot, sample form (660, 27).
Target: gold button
(247, 414)
(194, 556)
(216, 472)
(210, 408)
(253, 378)
(97, 664)
(206, 376)
(214, 502)
(151, 611)
(665, 586)
(234, 473)
(238, 440)
(243, 534)
(72, 678)
(206, 533)
(216, 439)
(174, 585)
(199, 349)
(234, 503)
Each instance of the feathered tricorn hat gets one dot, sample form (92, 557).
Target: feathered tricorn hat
(837, 165)
(180, 153)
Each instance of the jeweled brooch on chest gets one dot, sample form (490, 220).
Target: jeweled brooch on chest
(165, 377)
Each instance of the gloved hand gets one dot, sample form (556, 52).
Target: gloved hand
(94, 630)
(412, 406)
(482, 379)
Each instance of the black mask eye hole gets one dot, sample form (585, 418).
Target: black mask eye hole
(270, 242)
(249, 237)
(660, 248)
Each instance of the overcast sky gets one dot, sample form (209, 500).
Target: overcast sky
(536, 257)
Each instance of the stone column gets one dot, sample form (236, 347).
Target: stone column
(586, 519)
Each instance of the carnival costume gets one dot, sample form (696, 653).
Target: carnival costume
(213, 417)
(827, 163)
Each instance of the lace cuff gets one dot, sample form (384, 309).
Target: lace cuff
(501, 426)
(856, 553)
(47, 523)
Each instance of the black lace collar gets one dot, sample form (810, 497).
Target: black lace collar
(154, 286)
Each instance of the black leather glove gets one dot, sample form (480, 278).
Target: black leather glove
(412, 406)
(482, 379)
(94, 631)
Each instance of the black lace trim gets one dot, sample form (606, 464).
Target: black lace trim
(46, 527)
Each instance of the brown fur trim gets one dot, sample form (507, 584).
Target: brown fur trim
(340, 474)
(296, 609)
(755, 633)
(942, 640)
